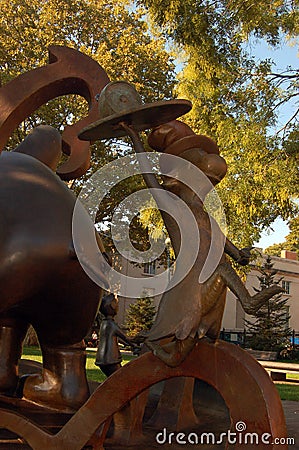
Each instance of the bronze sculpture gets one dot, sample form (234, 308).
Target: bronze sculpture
(208, 299)
(43, 283)
(39, 268)
(108, 356)
(202, 314)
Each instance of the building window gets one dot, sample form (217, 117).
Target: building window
(150, 268)
(286, 286)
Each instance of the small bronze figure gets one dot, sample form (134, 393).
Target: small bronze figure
(108, 356)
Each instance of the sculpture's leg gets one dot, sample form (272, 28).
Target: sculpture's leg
(175, 407)
(62, 384)
(249, 303)
(122, 419)
(109, 369)
(12, 334)
(174, 353)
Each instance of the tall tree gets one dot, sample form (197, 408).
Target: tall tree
(235, 100)
(269, 330)
(109, 32)
(140, 316)
(112, 34)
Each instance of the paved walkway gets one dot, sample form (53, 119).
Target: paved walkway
(291, 411)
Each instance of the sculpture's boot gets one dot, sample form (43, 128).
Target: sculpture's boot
(174, 353)
(250, 304)
(62, 385)
(12, 333)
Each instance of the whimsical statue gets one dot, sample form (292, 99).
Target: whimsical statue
(191, 309)
(41, 281)
(201, 314)
(108, 356)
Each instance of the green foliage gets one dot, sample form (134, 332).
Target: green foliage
(269, 331)
(236, 100)
(140, 316)
(112, 34)
(274, 250)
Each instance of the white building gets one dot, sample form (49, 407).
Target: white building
(233, 318)
(288, 269)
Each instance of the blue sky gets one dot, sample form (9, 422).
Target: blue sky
(273, 236)
(283, 56)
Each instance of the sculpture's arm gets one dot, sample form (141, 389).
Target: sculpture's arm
(123, 337)
(152, 183)
(242, 256)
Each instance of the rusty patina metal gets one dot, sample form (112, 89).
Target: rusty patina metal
(69, 72)
(120, 102)
(224, 366)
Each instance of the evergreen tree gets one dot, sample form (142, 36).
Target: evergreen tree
(140, 316)
(270, 329)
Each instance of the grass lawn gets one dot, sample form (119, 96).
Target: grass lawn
(286, 392)
(94, 373)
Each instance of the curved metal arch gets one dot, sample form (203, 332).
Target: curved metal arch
(68, 72)
(242, 382)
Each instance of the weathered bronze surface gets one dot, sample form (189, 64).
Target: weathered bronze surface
(41, 281)
(201, 315)
(69, 72)
(120, 102)
(224, 366)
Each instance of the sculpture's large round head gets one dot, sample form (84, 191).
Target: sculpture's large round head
(43, 143)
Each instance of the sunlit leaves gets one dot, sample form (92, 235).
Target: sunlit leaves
(115, 36)
(236, 101)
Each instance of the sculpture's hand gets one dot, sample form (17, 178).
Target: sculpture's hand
(244, 256)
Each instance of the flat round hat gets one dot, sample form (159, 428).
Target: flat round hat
(120, 102)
